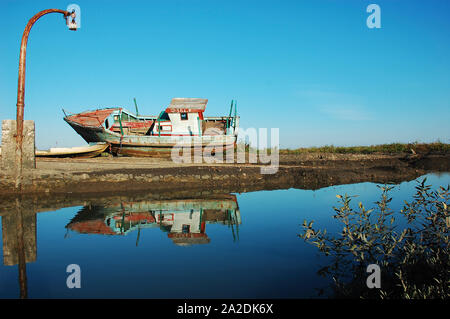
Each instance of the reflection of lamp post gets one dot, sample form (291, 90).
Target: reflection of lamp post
(21, 253)
(21, 86)
(19, 238)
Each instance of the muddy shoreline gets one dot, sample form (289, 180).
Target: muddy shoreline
(97, 177)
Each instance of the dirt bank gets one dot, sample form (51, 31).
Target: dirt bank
(306, 171)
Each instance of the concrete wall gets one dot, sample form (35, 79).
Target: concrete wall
(9, 145)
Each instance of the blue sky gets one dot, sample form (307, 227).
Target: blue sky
(313, 69)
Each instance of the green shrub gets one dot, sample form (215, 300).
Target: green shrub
(414, 262)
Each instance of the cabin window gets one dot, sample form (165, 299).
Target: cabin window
(186, 229)
(107, 124)
(184, 116)
(164, 116)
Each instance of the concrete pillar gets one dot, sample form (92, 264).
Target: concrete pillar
(9, 145)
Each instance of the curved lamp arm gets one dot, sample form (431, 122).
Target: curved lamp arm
(21, 85)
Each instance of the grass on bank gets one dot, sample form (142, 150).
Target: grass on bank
(419, 148)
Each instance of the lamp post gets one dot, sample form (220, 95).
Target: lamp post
(21, 86)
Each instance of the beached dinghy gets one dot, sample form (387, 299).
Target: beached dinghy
(92, 150)
(181, 124)
(88, 151)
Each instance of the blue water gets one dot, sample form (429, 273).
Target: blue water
(260, 258)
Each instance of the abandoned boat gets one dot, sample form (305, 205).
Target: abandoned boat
(181, 124)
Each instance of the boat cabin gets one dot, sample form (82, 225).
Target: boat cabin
(181, 117)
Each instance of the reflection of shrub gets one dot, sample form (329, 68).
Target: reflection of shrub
(414, 262)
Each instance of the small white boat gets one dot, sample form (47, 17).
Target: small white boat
(91, 150)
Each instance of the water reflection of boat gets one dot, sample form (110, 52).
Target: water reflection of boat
(184, 220)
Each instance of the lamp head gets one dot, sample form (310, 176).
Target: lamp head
(70, 20)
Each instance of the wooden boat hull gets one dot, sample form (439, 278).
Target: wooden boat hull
(151, 145)
(75, 152)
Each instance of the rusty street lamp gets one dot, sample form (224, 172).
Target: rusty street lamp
(21, 86)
